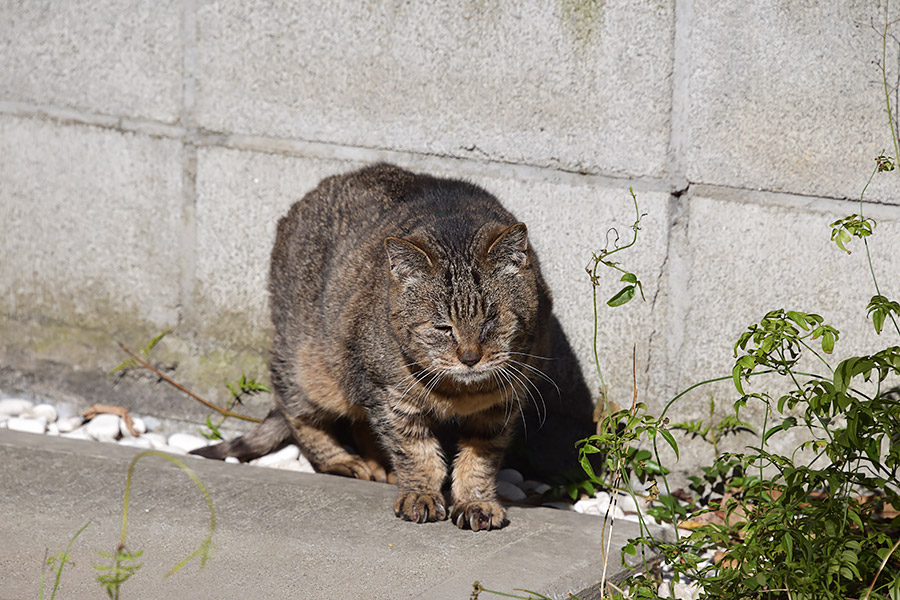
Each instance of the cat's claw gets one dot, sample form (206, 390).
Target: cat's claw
(479, 515)
(420, 507)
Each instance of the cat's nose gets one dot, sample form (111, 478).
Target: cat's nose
(469, 356)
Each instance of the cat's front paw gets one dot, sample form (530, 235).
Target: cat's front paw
(420, 507)
(479, 515)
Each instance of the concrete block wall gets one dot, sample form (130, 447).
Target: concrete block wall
(148, 148)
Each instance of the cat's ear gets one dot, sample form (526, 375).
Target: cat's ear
(407, 261)
(509, 251)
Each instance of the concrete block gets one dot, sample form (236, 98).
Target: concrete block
(745, 254)
(785, 97)
(240, 197)
(101, 56)
(92, 225)
(582, 86)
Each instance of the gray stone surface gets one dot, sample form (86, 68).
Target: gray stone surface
(278, 534)
(91, 224)
(785, 96)
(575, 85)
(100, 56)
(240, 197)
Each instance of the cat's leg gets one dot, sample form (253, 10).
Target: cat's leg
(483, 440)
(368, 448)
(325, 453)
(311, 401)
(418, 462)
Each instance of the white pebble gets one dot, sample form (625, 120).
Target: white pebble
(14, 406)
(626, 503)
(104, 428)
(530, 485)
(42, 410)
(64, 410)
(233, 460)
(305, 466)
(187, 442)
(685, 591)
(78, 434)
(173, 450)
(151, 422)
(157, 440)
(70, 424)
(27, 425)
(136, 442)
(4, 418)
(510, 491)
(286, 465)
(596, 506)
(290, 452)
(53, 429)
(510, 475)
(138, 425)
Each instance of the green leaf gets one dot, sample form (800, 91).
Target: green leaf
(671, 441)
(629, 278)
(622, 297)
(736, 377)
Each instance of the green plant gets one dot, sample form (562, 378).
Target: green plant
(123, 562)
(623, 296)
(243, 388)
(793, 528)
(57, 562)
(246, 386)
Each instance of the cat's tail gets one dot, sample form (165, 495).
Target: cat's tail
(267, 436)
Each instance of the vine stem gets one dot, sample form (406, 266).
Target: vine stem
(887, 95)
(183, 389)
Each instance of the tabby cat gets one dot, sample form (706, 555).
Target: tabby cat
(401, 302)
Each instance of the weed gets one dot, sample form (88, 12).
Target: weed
(57, 562)
(137, 361)
(123, 562)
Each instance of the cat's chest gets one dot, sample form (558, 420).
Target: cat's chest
(447, 406)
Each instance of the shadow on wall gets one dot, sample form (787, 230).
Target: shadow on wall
(544, 448)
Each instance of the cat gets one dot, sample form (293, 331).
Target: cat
(403, 303)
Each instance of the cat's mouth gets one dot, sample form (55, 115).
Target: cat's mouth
(475, 378)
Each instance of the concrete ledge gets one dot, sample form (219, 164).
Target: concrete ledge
(278, 535)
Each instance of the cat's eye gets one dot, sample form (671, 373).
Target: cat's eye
(445, 329)
(488, 326)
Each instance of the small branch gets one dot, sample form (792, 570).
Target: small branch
(105, 409)
(880, 569)
(183, 389)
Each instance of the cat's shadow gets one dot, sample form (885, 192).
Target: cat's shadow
(555, 418)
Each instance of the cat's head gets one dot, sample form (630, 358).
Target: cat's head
(466, 314)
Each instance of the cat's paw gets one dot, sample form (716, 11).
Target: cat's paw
(479, 515)
(354, 466)
(420, 507)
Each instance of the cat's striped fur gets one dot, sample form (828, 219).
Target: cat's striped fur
(400, 302)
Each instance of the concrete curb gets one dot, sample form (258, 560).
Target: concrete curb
(278, 535)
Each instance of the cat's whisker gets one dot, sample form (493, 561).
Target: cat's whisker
(524, 382)
(531, 355)
(537, 372)
(503, 380)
